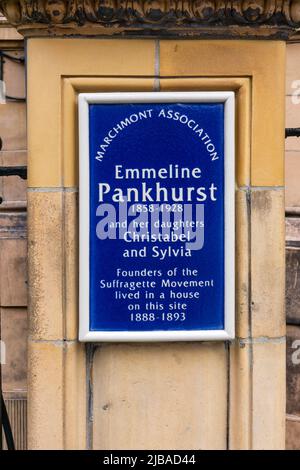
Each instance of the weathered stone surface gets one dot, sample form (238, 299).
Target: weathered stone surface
(13, 126)
(293, 285)
(292, 230)
(293, 370)
(13, 189)
(13, 250)
(275, 18)
(158, 396)
(46, 395)
(14, 336)
(268, 395)
(292, 433)
(45, 253)
(267, 263)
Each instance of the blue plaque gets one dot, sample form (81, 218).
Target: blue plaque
(156, 216)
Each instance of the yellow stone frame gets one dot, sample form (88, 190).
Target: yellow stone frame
(59, 69)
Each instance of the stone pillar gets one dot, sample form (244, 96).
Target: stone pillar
(156, 396)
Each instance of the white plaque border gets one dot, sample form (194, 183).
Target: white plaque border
(84, 100)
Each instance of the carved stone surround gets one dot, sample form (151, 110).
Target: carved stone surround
(161, 18)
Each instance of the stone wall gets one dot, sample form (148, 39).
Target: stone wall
(13, 234)
(292, 161)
